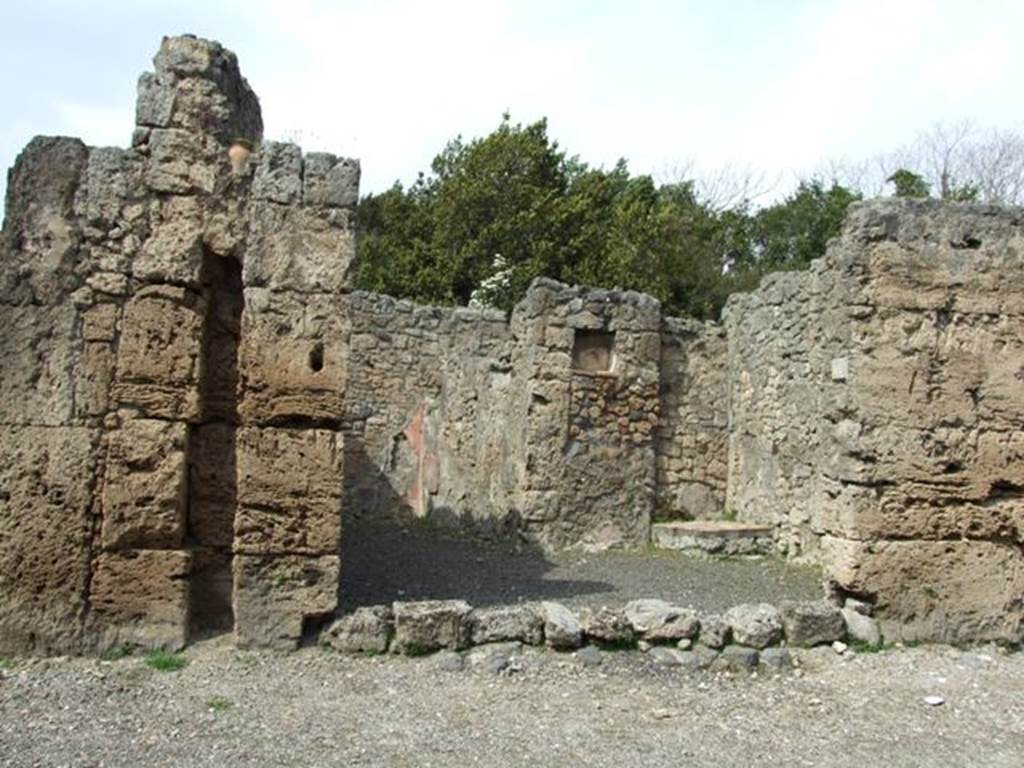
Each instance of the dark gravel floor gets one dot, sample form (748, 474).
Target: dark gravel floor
(386, 562)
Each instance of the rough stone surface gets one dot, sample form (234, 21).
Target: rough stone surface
(562, 629)
(431, 625)
(657, 620)
(776, 658)
(523, 623)
(806, 623)
(608, 627)
(365, 630)
(736, 658)
(862, 628)
(757, 626)
(715, 631)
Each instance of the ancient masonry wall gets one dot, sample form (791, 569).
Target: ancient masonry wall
(902, 377)
(172, 369)
(692, 438)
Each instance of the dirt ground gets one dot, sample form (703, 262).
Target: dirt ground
(386, 562)
(313, 708)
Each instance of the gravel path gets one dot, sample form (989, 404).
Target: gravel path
(382, 563)
(311, 708)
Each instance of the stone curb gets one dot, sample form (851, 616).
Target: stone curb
(739, 639)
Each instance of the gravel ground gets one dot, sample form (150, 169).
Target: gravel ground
(231, 708)
(382, 563)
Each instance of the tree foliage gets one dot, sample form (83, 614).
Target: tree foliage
(496, 212)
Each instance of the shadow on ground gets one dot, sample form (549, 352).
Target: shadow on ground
(387, 561)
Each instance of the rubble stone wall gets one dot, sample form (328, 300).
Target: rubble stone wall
(877, 399)
(692, 439)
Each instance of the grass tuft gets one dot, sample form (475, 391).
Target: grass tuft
(162, 661)
(219, 704)
(6, 663)
(116, 652)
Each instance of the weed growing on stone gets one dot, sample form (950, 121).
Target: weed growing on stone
(162, 661)
(219, 704)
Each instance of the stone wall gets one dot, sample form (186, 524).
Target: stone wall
(876, 406)
(692, 439)
(173, 374)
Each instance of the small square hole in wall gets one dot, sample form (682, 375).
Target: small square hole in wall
(593, 351)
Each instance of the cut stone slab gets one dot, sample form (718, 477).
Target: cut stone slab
(811, 623)
(737, 658)
(713, 537)
(430, 625)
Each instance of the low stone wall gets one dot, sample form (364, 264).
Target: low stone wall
(738, 639)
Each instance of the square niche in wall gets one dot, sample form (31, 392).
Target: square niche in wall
(593, 351)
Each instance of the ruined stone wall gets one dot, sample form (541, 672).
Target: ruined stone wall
(172, 374)
(692, 439)
(896, 362)
(585, 372)
(413, 409)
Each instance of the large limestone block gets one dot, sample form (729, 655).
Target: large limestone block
(38, 348)
(431, 625)
(159, 356)
(39, 225)
(303, 249)
(275, 595)
(292, 358)
(144, 496)
(46, 479)
(142, 596)
(944, 591)
(290, 484)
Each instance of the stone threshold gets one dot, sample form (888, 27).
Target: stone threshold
(714, 537)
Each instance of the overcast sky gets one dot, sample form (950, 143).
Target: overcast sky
(774, 85)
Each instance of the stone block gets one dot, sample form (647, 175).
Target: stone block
(142, 597)
(292, 359)
(173, 252)
(181, 162)
(308, 250)
(38, 349)
(431, 625)
(657, 620)
(275, 595)
(861, 628)
(290, 485)
(46, 476)
(507, 623)
(755, 625)
(811, 623)
(941, 591)
(145, 491)
(562, 629)
(159, 355)
(39, 222)
(330, 181)
(608, 627)
(736, 658)
(715, 631)
(365, 630)
(278, 177)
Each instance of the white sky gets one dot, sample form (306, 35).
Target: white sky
(774, 85)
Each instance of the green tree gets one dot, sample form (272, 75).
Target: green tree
(909, 184)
